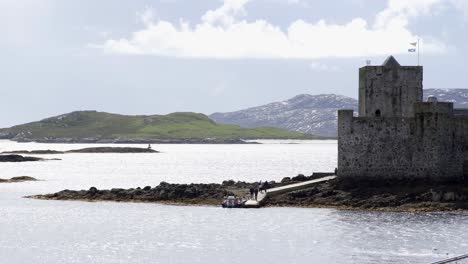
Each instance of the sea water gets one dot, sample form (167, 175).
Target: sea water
(36, 231)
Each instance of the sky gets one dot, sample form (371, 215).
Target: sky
(163, 56)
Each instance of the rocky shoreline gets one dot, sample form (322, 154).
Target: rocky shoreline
(189, 194)
(415, 196)
(398, 196)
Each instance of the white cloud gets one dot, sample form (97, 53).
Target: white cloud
(222, 34)
(225, 15)
(398, 12)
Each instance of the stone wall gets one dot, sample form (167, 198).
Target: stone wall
(463, 113)
(389, 90)
(428, 145)
(439, 138)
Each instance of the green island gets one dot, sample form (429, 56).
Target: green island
(93, 126)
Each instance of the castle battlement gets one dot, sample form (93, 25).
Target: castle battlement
(434, 108)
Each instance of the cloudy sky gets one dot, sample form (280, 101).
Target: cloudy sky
(161, 56)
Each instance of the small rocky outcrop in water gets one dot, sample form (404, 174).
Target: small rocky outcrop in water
(34, 152)
(17, 158)
(207, 194)
(18, 179)
(86, 150)
(113, 150)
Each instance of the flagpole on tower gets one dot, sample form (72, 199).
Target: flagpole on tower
(418, 51)
(415, 48)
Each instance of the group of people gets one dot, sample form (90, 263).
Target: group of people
(262, 187)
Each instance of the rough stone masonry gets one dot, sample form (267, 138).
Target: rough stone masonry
(397, 135)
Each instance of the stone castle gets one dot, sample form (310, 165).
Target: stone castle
(397, 135)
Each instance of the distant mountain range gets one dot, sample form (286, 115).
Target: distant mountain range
(315, 114)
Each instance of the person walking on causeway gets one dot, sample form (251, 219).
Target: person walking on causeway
(266, 185)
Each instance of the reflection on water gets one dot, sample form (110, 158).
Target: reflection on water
(34, 231)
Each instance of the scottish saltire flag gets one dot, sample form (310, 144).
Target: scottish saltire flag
(414, 43)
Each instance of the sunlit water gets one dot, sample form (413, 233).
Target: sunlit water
(33, 231)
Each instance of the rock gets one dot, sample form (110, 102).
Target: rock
(460, 197)
(163, 183)
(449, 196)
(191, 193)
(34, 152)
(242, 184)
(286, 180)
(18, 179)
(328, 193)
(113, 150)
(304, 193)
(17, 158)
(229, 183)
(299, 177)
(22, 178)
(316, 175)
(93, 191)
(117, 190)
(436, 196)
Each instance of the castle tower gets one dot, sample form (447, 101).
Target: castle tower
(396, 135)
(389, 90)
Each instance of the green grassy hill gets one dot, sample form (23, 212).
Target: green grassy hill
(100, 125)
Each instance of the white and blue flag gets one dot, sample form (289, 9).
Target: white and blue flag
(414, 44)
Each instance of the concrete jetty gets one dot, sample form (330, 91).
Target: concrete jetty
(286, 188)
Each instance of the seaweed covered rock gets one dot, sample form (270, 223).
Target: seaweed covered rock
(392, 196)
(164, 192)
